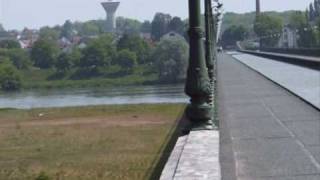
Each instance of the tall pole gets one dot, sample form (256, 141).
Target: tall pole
(198, 86)
(258, 9)
(209, 39)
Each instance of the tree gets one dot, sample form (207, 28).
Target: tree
(44, 53)
(99, 52)
(128, 26)
(9, 44)
(171, 59)
(67, 30)
(159, 25)
(233, 34)
(63, 63)
(135, 44)
(146, 27)
(266, 27)
(312, 12)
(297, 20)
(49, 33)
(317, 7)
(18, 57)
(177, 25)
(9, 76)
(127, 60)
(307, 36)
(90, 28)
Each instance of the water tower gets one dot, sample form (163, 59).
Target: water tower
(110, 8)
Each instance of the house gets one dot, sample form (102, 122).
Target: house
(288, 38)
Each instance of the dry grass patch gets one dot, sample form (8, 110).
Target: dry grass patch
(101, 142)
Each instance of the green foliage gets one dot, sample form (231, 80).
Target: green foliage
(247, 19)
(307, 36)
(159, 25)
(127, 60)
(233, 34)
(313, 12)
(177, 25)
(146, 27)
(63, 63)
(48, 33)
(9, 76)
(128, 26)
(9, 44)
(99, 52)
(90, 28)
(42, 176)
(171, 59)
(19, 57)
(44, 53)
(135, 44)
(67, 30)
(265, 27)
(298, 20)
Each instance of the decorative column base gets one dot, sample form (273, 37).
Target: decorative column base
(201, 117)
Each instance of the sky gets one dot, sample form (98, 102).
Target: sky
(17, 14)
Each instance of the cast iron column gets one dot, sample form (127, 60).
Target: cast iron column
(209, 39)
(198, 85)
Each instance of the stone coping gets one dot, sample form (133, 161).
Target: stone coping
(195, 157)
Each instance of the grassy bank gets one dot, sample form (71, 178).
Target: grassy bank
(98, 142)
(47, 79)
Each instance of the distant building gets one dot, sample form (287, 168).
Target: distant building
(110, 7)
(288, 38)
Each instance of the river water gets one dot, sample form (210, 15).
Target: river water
(96, 96)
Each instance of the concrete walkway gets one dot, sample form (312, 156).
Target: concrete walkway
(266, 132)
(302, 81)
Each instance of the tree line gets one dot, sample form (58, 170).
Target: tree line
(268, 28)
(105, 55)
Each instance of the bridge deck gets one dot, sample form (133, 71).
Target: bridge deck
(266, 132)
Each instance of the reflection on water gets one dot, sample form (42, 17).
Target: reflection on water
(100, 96)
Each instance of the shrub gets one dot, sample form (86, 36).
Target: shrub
(9, 77)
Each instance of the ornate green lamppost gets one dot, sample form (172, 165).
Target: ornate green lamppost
(209, 40)
(198, 86)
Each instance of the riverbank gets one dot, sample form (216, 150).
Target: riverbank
(48, 79)
(96, 142)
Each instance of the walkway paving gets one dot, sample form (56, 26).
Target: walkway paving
(302, 81)
(266, 132)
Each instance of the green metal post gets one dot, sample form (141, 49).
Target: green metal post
(198, 86)
(209, 39)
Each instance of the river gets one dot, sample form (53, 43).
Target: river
(97, 96)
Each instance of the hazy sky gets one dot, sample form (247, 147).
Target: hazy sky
(17, 14)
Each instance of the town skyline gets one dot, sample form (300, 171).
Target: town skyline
(18, 14)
